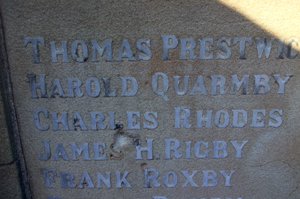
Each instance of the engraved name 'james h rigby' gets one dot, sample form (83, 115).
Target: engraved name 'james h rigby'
(139, 125)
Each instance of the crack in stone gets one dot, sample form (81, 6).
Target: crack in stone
(273, 161)
(8, 163)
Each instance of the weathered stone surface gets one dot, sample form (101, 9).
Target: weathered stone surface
(9, 183)
(262, 159)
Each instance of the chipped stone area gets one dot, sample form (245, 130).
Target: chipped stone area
(122, 142)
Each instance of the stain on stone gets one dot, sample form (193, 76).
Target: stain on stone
(144, 165)
(75, 123)
(30, 77)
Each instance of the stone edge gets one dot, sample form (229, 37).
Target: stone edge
(11, 115)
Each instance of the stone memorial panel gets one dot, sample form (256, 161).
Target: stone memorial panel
(152, 99)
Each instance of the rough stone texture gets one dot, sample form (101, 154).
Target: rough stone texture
(9, 183)
(270, 166)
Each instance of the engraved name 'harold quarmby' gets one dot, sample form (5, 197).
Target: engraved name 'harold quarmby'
(134, 129)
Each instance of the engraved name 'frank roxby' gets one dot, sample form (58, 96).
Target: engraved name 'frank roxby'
(152, 178)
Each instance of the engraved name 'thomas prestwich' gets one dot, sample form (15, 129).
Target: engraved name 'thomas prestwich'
(206, 48)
